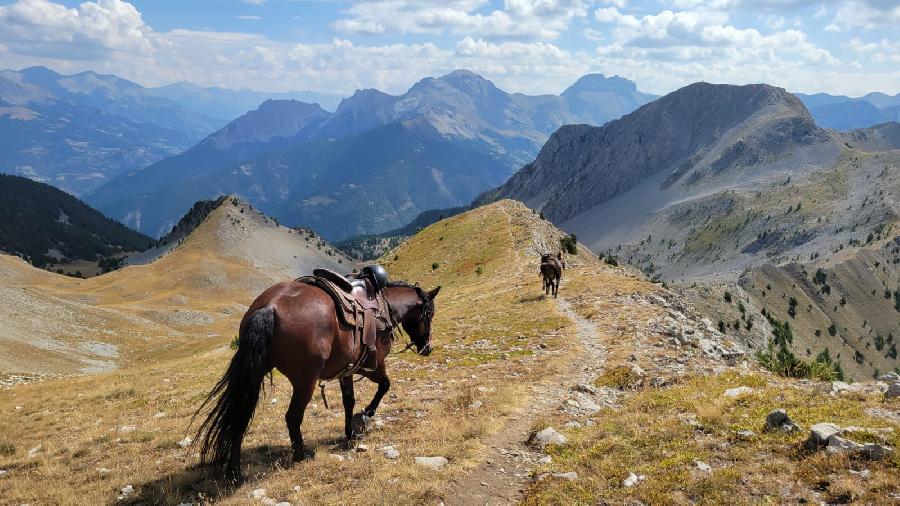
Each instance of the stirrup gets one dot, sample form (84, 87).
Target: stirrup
(364, 365)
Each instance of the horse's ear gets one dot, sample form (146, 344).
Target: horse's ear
(432, 294)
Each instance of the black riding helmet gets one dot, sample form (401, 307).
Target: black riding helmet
(377, 274)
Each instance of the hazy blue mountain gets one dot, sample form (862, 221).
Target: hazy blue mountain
(76, 132)
(840, 112)
(420, 138)
(272, 126)
(226, 104)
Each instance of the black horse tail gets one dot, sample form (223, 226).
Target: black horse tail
(237, 393)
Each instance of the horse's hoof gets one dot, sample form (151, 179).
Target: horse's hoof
(234, 479)
(305, 454)
(359, 425)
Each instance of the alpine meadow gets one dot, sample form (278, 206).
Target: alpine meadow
(449, 252)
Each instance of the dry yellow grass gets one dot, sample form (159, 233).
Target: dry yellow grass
(496, 337)
(100, 433)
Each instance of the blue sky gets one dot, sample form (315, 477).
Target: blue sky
(532, 46)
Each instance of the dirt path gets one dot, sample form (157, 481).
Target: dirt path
(506, 471)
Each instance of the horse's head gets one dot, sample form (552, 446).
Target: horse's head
(545, 258)
(417, 313)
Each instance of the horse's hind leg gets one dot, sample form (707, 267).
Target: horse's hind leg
(349, 401)
(294, 418)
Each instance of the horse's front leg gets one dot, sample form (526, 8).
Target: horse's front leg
(349, 402)
(384, 384)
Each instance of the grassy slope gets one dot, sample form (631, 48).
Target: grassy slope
(78, 422)
(489, 329)
(176, 305)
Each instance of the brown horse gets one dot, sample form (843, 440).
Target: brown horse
(551, 272)
(293, 327)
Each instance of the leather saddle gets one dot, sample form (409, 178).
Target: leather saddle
(361, 290)
(355, 301)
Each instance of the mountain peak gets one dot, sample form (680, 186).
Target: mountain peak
(273, 118)
(368, 97)
(599, 82)
(468, 82)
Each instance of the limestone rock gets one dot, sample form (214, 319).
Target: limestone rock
(819, 434)
(548, 436)
(390, 452)
(432, 462)
(738, 391)
(633, 479)
(571, 475)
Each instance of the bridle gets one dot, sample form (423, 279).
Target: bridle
(396, 327)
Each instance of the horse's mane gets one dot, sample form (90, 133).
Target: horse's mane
(404, 284)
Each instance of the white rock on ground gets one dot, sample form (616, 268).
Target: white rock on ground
(819, 434)
(34, 451)
(476, 405)
(839, 386)
(571, 475)
(548, 436)
(546, 459)
(633, 480)
(258, 493)
(837, 444)
(127, 428)
(126, 491)
(3, 471)
(390, 452)
(703, 466)
(184, 443)
(737, 392)
(432, 462)
(746, 434)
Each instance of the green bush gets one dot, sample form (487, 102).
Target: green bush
(569, 244)
(235, 342)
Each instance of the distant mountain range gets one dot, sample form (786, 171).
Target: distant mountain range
(225, 104)
(844, 113)
(78, 131)
(717, 185)
(46, 225)
(372, 165)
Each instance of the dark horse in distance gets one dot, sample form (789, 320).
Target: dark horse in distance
(293, 327)
(551, 272)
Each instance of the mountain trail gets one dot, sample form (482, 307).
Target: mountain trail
(506, 470)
